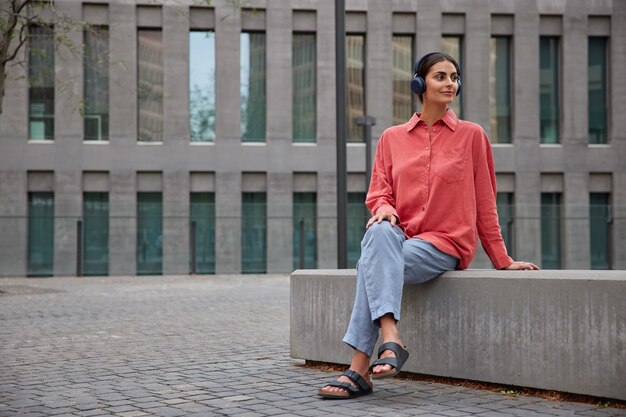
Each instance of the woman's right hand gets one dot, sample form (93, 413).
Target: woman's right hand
(378, 218)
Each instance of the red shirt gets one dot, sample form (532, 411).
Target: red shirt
(441, 184)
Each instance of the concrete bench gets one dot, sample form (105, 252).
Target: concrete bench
(551, 329)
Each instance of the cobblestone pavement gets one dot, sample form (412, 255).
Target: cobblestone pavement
(180, 346)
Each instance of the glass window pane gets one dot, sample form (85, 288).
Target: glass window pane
(357, 218)
(203, 216)
(305, 229)
(355, 85)
(551, 230)
(304, 91)
(149, 233)
(252, 76)
(150, 85)
(500, 89)
(254, 233)
(504, 203)
(597, 63)
(40, 234)
(402, 75)
(453, 46)
(202, 86)
(96, 83)
(549, 89)
(41, 83)
(599, 230)
(96, 233)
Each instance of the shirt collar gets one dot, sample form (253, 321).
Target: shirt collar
(448, 118)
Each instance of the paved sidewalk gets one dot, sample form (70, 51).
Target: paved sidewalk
(180, 346)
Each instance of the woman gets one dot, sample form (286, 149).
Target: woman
(433, 188)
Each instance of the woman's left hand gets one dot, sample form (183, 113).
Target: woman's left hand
(518, 265)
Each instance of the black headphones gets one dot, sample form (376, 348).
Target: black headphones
(418, 85)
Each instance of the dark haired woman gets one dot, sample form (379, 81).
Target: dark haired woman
(432, 194)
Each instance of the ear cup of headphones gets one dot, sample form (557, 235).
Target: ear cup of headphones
(458, 90)
(418, 85)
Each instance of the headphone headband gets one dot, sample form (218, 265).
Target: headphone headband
(418, 85)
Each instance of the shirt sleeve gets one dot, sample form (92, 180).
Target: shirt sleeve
(487, 213)
(380, 196)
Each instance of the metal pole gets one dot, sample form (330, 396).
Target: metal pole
(79, 248)
(302, 243)
(342, 172)
(192, 239)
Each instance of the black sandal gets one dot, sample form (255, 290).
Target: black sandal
(397, 363)
(360, 387)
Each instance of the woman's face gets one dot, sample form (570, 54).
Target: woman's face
(441, 83)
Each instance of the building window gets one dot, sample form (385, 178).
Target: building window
(453, 46)
(203, 223)
(41, 83)
(355, 85)
(150, 85)
(551, 230)
(40, 234)
(357, 219)
(598, 99)
(96, 233)
(549, 89)
(202, 86)
(504, 202)
(254, 233)
(304, 230)
(252, 76)
(403, 61)
(96, 83)
(500, 89)
(600, 230)
(304, 91)
(149, 233)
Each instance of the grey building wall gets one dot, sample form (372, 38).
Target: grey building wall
(525, 163)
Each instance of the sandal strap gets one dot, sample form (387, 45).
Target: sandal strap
(385, 361)
(344, 385)
(392, 346)
(355, 377)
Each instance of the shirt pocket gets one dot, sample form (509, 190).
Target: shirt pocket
(451, 165)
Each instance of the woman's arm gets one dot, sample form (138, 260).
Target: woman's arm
(380, 199)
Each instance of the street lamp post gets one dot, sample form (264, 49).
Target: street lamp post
(342, 171)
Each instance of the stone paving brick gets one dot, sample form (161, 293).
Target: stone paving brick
(205, 346)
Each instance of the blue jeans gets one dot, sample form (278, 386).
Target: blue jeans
(388, 261)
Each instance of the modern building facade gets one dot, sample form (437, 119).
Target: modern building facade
(193, 138)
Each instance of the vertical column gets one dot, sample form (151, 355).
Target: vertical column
(378, 72)
(528, 216)
(428, 27)
(123, 74)
(574, 75)
(122, 223)
(619, 221)
(14, 116)
(327, 220)
(228, 222)
(13, 223)
(618, 130)
(279, 221)
(227, 47)
(68, 124)
(326, 90)
(279, 86)
(176, 247)
(176, 75)
(476, 71)
(67, 211)
(576, 223)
